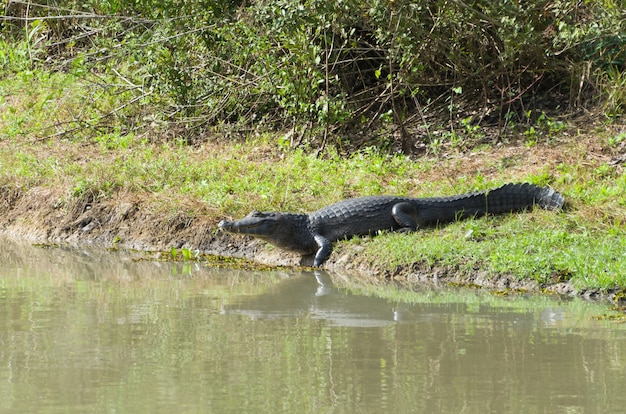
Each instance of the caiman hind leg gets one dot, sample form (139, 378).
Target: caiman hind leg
(405, 214)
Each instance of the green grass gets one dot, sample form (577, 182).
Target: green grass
(540, 246)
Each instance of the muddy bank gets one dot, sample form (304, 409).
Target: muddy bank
(48, 215)
(132, 221)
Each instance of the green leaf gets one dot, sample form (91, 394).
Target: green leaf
(187, 254)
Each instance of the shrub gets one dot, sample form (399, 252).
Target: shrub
(346, 66)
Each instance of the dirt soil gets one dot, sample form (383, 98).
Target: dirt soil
(128, 220)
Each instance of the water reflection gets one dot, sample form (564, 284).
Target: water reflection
(313, 295)
(93, 331)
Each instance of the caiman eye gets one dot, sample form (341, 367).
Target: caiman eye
(257, 213)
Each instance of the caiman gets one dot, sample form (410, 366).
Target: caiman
(315, 232)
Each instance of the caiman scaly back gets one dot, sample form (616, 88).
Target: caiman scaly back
(315, 232)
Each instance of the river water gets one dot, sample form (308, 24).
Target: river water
(108, 332)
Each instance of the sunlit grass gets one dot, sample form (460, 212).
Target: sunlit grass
(545, 249)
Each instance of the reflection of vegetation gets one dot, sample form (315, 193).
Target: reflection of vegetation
(127, 336)
(479, 298)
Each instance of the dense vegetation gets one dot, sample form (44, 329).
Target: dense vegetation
(387, 73)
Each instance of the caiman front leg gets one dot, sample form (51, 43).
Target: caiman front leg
(405, 214)
(324, 251)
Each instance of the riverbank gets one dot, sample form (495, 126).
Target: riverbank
(128, 193)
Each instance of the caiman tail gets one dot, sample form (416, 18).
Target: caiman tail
(515, 197)
(505, 199)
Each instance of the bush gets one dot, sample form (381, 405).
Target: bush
(336, 68)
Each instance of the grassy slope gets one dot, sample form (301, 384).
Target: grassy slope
(586, 244)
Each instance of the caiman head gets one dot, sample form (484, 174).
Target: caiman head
(285, 230)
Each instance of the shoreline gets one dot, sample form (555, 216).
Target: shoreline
(37, 216)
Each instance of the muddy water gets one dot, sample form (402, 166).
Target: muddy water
(95, 331)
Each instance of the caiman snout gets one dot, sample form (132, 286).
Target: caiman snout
(239, 226)
(254, 224)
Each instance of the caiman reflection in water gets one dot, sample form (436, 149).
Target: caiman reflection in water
(313, 295)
